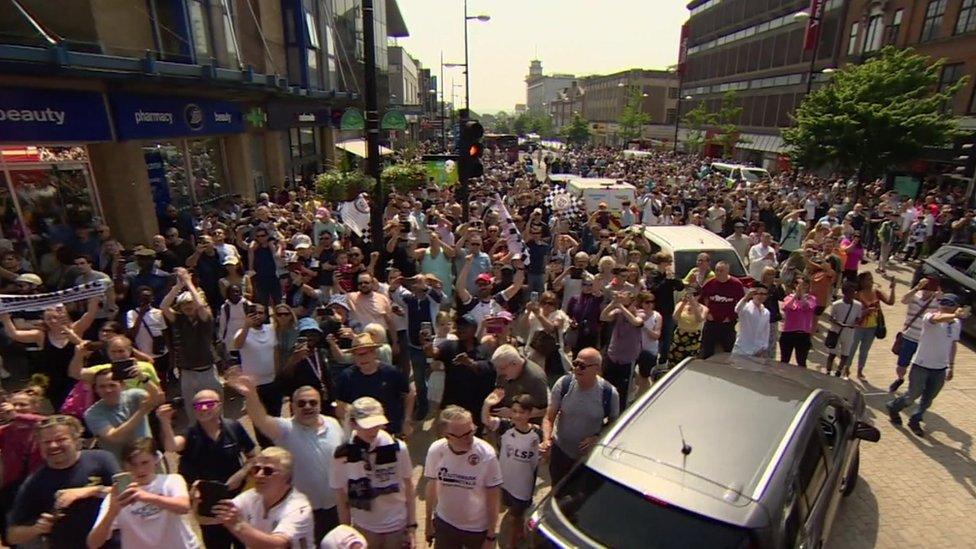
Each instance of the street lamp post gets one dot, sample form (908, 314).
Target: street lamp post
(818, 19)
(467, 68)
(677, 117)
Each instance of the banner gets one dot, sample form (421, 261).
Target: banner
(40, 302)
(683, 49)
(813, 24)
(149, 116)
(355, 215)
(30, 115)
(442, 172)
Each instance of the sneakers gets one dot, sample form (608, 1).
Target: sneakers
(916, 428)
(896, 384)
(893, 416)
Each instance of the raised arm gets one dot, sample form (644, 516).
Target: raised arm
(255, 410)
(21, 336)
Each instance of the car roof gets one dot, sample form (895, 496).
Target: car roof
(734, 413)
(599, 183)
(687, 237)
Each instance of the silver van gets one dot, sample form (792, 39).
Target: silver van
(727, 452)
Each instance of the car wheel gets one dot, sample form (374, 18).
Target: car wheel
(851, 481)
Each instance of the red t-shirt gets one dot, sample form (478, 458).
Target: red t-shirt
(722, 297)
(20, 453)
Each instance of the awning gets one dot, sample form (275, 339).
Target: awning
(358, 147)
(762, 142)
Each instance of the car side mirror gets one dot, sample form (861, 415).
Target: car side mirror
(866, 431)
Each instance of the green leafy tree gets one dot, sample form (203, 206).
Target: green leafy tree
(577, 132)
(727, 121)
(633, 118)
(520, 124)
(697, 120)
(874, 116)
(541, 124)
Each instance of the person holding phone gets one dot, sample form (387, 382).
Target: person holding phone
(256, 342)
(120, 415)
(148, 509)
(216, 450)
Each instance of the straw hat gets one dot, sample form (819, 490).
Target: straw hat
(363, 341)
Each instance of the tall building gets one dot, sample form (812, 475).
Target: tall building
(124, 108)
(540, 89)
(600, 99)
(759, 49)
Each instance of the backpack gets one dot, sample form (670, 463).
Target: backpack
(606, 392)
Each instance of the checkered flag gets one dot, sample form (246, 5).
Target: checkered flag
(509, 231)
(563, 205)
(355, 215)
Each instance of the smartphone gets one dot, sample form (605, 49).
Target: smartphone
(211, 492)
(250, 309)
(426, 326)
(534, 297)
(121, 481)
(120, 369)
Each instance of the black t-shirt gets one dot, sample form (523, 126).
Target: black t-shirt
(36, 496)
(204, 458)
(388, 385)
(464, 386)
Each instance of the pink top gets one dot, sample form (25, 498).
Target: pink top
(798, 313)
(854, 255)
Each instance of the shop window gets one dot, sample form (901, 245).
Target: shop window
(207, 168)
(933, 19)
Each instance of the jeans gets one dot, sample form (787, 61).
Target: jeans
(537, 282)
(863, 338)
(618, 374)
(418, 360)
(922, 382)
(884, 255)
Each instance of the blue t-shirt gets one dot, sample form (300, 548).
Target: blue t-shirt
(100, 417)
(388, 385)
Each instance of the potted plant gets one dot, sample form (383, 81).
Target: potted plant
(404, 178)
(338, 186)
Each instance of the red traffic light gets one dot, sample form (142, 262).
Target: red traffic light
(475, 150)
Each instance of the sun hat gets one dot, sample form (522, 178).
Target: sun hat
(367, 412)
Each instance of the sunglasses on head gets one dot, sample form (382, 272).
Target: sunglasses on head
(206, 405)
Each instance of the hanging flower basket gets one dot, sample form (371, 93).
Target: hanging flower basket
(404, 178)
(339, 186)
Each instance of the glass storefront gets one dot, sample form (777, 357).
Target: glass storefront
(184, 172)
(46, 191)
(304, 149)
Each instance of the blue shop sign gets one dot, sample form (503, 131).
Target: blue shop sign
(146, 116)
(32, 115)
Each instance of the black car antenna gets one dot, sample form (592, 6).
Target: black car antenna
(685, 447)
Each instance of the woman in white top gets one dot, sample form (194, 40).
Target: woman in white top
(650, 341)
(545, 315)
(151, 511)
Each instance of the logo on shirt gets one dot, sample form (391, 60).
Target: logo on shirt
(454, 479)
(473, 459)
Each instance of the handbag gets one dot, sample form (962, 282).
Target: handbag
(896, 346)
(833, 337)
(881, 330)
(158, 342)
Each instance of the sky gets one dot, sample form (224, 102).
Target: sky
(579, 37)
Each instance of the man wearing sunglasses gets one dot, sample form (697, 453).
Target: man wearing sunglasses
(581, 404)
(463, 485)
(310, 437)
(214, 448)
(273, 513)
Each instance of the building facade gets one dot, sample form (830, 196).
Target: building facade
(758, 49)
(541, 89)
(113, 111)
(600, 100)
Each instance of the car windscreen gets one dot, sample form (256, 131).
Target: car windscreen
(613, 515)
(754, 176)
(685, 260)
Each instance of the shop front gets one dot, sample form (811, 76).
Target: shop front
(305, 136)
(47, 186)
(182, 144)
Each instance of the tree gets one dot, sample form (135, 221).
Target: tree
(727, 122)
(697, 120)
(577, 132)
(632, 117)
(874, 116)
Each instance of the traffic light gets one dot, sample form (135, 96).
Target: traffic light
(470, 150)
(966, 157)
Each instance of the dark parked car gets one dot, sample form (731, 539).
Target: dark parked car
(954, 265)
(726, 452)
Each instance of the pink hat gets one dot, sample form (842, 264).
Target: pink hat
(483, 277)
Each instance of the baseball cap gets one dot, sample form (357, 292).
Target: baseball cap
(367, 412)
(950, 300)
(29, 278)
(185, 297)
(483, 277)
(343, 537)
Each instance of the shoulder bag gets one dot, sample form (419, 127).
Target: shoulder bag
(896, 346)
(833, 337)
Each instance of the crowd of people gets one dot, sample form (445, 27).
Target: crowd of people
(522, 333)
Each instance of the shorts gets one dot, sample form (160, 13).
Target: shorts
(908, 348)
(646, 361)
(514, 504)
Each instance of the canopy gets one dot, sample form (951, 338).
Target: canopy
(358, 147)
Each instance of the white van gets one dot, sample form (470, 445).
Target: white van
(737, 173)
(593, 190)
(685, 242)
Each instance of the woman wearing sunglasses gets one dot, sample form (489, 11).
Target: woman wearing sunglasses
(149, 510)
(214, 448)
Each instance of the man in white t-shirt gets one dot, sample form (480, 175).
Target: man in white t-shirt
(716, 218)
(256, 343)
(762, 255)
(371, 475)
(933, 361)
(463, 484)
(273, 513)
